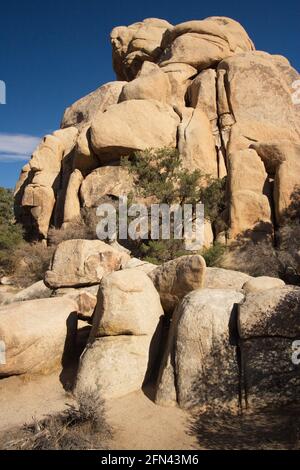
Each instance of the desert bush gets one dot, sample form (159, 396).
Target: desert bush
(6, 206)
(160, 251)
(213, 255)
(81, 229)
(160, 177)
(30, 262)
(263, 259)
(73, 231)
(160, 174)
(80, 427)
(11, 234)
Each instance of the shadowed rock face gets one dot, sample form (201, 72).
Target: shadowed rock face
(227, 351)
(200, 366)
(200, 87)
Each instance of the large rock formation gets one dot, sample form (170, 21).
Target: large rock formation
(199, 86)
(228, 350)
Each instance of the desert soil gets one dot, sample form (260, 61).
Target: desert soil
(136, 422)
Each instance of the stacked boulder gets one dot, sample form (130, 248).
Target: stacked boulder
(206, 336)
(127, 336)
(233, 348)
(200, 87)
(35, 335)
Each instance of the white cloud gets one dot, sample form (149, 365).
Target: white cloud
(17, 147)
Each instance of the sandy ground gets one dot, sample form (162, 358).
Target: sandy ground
(135, 421)
(23, 400)
(139, 424)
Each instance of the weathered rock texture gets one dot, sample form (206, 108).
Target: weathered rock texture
(200, 366)
(83, 262)
(178, 277)
(199, 86)
(124, 343)
(38, 290)
(268, 324)
(228, 350)
(128, 304)
(35, 334)
(114, 366)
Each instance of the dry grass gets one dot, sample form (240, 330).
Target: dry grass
(81, 229)
(81, 427)
(30, 261)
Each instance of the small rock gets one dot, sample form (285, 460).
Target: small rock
(178, 277)
(262, 283)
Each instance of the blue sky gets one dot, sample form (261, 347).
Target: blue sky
(54, 52)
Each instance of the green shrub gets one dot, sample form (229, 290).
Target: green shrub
(159, 175)
(11, 234)
(213, 254)
(160, 251)
(6, 206)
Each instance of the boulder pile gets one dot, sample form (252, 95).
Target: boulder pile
(203, 336)
(200, 87)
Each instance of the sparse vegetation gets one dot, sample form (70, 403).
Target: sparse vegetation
(289, 252)
(257, 254)
(81, 427)
(161, 178)
(159, 174)
(213, 254)
(29, 263)
(11, 234)
(160, 251)
(261, 258)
